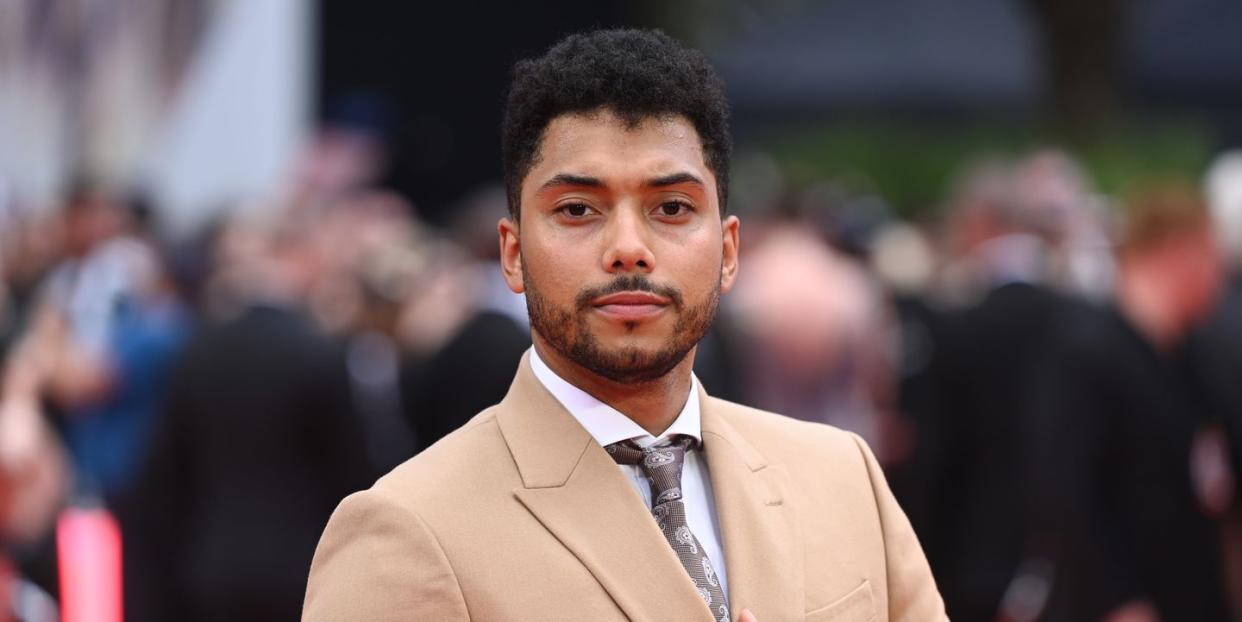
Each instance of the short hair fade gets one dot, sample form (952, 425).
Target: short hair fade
(636, 74)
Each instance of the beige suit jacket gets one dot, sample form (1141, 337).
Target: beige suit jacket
(521, 515)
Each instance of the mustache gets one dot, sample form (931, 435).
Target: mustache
(630, 283)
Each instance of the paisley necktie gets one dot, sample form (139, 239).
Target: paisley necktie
(662, 463)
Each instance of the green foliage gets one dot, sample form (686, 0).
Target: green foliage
(913, 164)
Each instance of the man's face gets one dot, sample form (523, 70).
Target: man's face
(621, 249)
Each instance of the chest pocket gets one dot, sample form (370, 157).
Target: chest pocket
(856, 606)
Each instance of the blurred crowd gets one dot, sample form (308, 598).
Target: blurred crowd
(1044, 370)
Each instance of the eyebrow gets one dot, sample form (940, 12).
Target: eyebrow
(674, 179)
(569, 179)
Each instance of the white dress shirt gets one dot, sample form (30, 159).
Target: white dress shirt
(607, 425)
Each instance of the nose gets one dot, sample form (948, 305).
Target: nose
(626, 247)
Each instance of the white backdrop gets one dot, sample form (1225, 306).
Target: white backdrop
(83, 91)
(234, 131)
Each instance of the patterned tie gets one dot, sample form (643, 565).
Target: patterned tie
(662, 464)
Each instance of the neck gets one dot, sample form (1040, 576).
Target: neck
(1145, 303)
(653, 405)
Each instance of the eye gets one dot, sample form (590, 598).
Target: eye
(575, 210)
(673, 208)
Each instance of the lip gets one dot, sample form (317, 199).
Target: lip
(630, 306)
(630, 298)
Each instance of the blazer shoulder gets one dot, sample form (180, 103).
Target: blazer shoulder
(383, 554)
(378, 559)
(474, 454)
(839, 482)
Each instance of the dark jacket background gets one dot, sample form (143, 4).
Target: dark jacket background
(1119, 421)
(257, 447)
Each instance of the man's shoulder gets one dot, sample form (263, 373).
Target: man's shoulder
(473, 455)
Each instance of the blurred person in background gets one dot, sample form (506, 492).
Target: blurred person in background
(474, 367)
(810, 321)
(1218, 347)
(102, 333)
(258, 443)
(35, 481)
(904, 261)
(1071, 214)
(974, 406)
(998, 231)
(111, 325)
(1129, 502)
(371, 250)
(35, 469)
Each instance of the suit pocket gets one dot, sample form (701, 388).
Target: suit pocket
(857, 606)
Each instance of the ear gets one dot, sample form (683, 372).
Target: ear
(728, 265)
(511, 254)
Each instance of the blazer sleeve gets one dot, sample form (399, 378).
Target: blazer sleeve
(378, 561)
(912, 593)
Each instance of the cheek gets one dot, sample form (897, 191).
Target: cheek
(557, 273)
(696, 269)
(1199, 275)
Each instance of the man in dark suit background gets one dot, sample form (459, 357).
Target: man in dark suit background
(972, 401)
(1217, 351)
(1123, 428)
(474, 368)
(258, 445)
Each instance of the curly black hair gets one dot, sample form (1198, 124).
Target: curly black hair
(636, 74)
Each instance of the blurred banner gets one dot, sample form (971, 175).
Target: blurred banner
(241, 115)
(193, 101)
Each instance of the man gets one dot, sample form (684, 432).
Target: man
(975, 412)
(258, 441)
(607, 484)
(1128, 478)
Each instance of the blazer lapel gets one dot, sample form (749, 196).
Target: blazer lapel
(576, 491)
(762, 542)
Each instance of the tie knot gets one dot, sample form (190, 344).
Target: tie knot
(665, 453)
(660, 462)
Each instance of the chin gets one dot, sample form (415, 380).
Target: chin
(633, 366)
(632, 346)
(638, 333)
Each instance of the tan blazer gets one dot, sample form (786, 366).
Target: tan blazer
(521, 515)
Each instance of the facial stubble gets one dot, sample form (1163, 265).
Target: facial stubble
(567, 330)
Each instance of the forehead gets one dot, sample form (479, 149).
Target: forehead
(602, 144)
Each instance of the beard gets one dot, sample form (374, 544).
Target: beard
(568, 332)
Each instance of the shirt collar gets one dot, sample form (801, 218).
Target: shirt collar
(606, 424)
